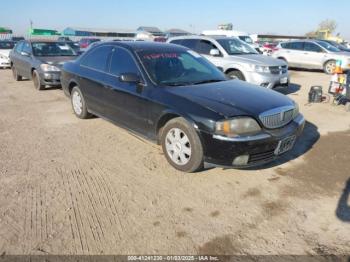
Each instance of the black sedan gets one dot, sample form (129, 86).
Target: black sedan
(175, 97)
(40, 61)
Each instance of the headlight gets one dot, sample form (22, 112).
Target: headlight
(46, 67)
(296, 110)
(259, 69)
(237, 126)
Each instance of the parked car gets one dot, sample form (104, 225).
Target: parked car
(64, 39)
(238, 60)
(312, 54)
(16, 38)
(5, 48)
(40, 61)
(341, 47)
(85, 42)
(245, 37)
(268, 48)
(176, 98)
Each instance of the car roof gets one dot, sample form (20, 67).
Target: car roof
(144, 45)
(202, 37)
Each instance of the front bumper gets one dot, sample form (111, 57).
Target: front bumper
(5, 63)
(50, 78)
(260, 148)
(267, 80)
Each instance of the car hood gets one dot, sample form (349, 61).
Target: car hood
(257, 59)
(5, 52)
(56, 60)
(233, 98)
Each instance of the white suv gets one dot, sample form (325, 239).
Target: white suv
(238, 60)
(312, 54)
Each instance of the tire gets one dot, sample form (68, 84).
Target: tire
(15, 74)
(181, 146)
(329, 67)
(36, 81)
(78, 104)
(236, 75)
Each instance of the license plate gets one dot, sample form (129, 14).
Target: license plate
(284, 80)
(285, 145)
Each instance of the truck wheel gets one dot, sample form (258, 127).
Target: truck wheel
(182, 146)
(36, 81)
(15, 74)
(236, 75)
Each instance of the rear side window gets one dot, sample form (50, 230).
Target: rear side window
(204, 47)
(122, 62)
(189, 43)
(311, 47)
(293, 45)
(97, 58)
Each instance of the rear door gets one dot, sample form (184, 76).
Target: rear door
(26, 60)
(294, 53)
(16, 56)
(92, 78)
(314, 56)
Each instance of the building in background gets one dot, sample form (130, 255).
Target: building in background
(5, 30)
(228, 26)
(98, 32)
(43, 32)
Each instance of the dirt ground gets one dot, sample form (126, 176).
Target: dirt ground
(71, 186)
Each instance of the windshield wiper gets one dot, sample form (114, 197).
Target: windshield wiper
(208, 81)
(176, 84)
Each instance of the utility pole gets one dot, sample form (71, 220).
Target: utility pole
(31, 28)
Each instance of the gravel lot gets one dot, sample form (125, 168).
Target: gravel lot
(71, 186)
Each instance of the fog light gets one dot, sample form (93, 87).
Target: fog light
(241, 160)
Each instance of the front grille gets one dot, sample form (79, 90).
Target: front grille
(278, 70)
(262, 157)
(277, 117)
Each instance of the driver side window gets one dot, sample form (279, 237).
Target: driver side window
(204, 47)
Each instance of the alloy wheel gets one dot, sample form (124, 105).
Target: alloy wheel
(178, 146)
(77, 103)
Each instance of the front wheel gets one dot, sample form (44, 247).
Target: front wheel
(37, 81)
(182, 146)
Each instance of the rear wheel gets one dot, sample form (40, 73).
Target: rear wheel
(79, 104)
(36, 81)
(15, 74)
(329, 67)
(236, 75)
(182, 146)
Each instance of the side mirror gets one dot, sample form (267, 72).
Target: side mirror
(25, 53)
(214, 52)
(129, 78)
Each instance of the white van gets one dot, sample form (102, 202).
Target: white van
(245, 37)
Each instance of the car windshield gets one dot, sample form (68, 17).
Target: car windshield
(246, 39)
(328, 46)
(235, 46)
(179, 68)
(52, 49)
(7, 45)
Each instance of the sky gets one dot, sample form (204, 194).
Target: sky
(290, 17)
